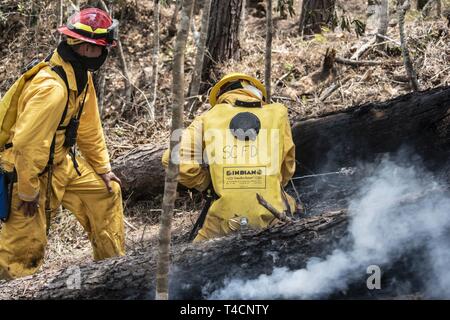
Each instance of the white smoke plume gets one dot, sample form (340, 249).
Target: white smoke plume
(398, 209)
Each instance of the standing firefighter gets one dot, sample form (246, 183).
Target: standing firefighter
(46, 112)
(238, 151)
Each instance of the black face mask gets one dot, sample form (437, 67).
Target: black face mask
(81, 64)
(93, 64)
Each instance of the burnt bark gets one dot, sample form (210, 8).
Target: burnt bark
(222, 42)
(316, 14)
(133, 276)
(419, 120)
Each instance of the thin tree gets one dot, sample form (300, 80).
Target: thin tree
(60, 16)
(243, 20)
(402, 7)
(172, 29)
(123, 63)
(197, 74)
(170, 185)
(383, 22)
(439, 8)
(155, 59)
(268, 62)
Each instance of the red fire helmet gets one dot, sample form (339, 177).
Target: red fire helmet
(92, 25)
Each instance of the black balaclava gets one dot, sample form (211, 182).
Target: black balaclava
(81, 65)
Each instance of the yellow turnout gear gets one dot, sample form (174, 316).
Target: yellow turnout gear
(40, 101)
(239, 168)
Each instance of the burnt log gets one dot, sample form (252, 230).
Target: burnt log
(196, 268)
(334, 140)
(418, 120)
(199, 270)
(141, 171)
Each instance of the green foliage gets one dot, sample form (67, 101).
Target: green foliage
(320, 38)
(288, 66)
(358, 26)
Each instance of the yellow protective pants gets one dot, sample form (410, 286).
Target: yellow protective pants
(23, 239)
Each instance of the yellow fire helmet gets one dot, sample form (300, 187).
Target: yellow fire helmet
(229, 79)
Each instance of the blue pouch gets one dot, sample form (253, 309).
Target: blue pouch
(5, 194)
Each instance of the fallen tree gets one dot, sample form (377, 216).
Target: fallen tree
(195, 266)
(419, 120)
(141, 171)
(328, 142)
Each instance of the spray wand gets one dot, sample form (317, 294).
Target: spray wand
(343, 171)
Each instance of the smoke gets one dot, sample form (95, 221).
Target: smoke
(397, 210)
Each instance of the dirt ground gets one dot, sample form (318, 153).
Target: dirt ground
(293, 59)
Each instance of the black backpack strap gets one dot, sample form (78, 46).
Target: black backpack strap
(210, 197)
(59, 70)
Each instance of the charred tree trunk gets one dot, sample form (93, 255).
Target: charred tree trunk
(420, 119)
(316, 14)
(222, 42)
(133, 276)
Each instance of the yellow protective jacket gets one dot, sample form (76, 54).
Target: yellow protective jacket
(40, 108)
(238, 169)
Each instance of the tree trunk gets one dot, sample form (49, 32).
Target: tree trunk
(172, 29)
(383, 23)
(222, 42)
(171, 182)
(377, 18)
(361, 133)
(199, 57)
(99, 83)
(201, 269)
(155, 60)
(438, 8)
(268, 62)
(402, 7)
(123, 63)
(316, 14)
(141, 171)
(133, 276)
(60, 16)
(331, 141)
(420, 4)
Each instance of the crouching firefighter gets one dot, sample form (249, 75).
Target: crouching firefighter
(241, 153)
(48, 110)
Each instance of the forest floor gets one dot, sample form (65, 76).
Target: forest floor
(294, 58)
